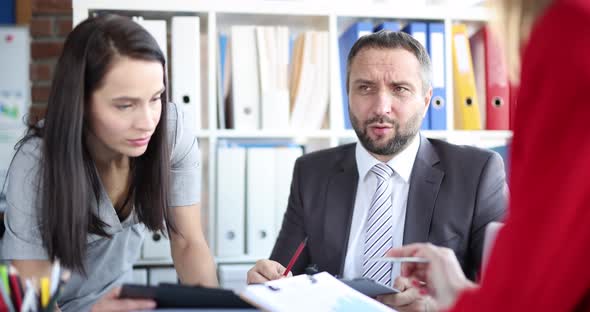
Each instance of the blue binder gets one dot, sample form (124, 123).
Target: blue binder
(222, 56)
(7, 12)
(393, 26)
(345, 43)
(419, 32)
(436, 50)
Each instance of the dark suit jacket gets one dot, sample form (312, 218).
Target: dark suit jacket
(455, 191)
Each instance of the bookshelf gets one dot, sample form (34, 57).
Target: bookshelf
(331, 16)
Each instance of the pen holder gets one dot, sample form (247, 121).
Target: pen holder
(32, 296)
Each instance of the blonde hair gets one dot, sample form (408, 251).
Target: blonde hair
(513, 22)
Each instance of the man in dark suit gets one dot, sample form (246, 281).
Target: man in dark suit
(356, 201)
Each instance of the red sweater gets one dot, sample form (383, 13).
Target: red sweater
(541, 260)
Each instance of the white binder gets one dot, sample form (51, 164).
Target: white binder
(156, 28)
(231, 178)
(140, 276)
(162, 275)
(245, 78)
(186, 89)
(260, 203)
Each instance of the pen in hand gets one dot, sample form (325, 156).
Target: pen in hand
(400, 259)
(295, 256)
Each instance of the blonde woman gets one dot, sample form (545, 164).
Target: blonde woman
(540, 261)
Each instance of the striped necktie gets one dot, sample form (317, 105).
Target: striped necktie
(378, 239)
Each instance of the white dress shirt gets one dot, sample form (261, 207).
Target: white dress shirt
(402, 164)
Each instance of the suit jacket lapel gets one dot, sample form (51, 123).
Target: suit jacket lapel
(424, 186)
(340, 197)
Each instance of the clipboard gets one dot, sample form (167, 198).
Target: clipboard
(318, 292)
(181, 296)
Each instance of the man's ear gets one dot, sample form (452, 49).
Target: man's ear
(427, 98)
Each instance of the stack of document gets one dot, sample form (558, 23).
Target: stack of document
(253, 68)
(319, 292)
(310, 81)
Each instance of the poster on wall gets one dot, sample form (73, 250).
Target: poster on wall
(14, 94)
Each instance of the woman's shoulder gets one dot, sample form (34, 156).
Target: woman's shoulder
(28, 152)
(24, 170)
(173, 123)
(179, 125)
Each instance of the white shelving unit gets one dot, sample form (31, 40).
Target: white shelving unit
(331, 16)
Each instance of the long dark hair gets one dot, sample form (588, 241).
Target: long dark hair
(70, 183)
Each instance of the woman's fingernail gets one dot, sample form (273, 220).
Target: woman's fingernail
(423, 291)
(416, 283)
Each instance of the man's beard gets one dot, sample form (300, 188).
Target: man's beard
(397, 143)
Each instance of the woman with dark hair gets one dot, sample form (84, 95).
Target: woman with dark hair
(111, 160)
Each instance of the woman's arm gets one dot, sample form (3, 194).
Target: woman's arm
(192, 258)
(32, 269)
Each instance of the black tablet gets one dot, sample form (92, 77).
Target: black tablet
(369, 287)
(133, 291)
(183, 296)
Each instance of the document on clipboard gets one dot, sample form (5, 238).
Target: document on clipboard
(319, 292)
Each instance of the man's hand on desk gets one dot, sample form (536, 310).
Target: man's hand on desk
(111, 303)
(412, 298)
(266, 270)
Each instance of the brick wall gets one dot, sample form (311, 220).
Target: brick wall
(51, 21)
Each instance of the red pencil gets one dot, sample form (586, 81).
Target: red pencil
(17, 290)
(295, 256)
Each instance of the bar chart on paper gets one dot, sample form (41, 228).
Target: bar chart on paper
(320, 292)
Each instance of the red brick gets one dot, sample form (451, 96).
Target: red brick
(36, 113)
(63, 26)
(40, 93)
(51, 6)
(41, 26)
(44, 50)
(41, 71)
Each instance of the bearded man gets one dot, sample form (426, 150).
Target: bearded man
(354, 202)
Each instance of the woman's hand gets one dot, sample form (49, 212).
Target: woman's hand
(411, 298)
(112, 303)
(443, 275)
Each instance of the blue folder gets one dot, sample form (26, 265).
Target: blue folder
(438, 103)
(7, 12)
(393, 26)
(345, 43)
(418, 30)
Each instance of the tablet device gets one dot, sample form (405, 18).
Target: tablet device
(369, 287)
(133, 291)
(183, 296)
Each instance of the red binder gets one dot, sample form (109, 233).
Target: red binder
(497, 90)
